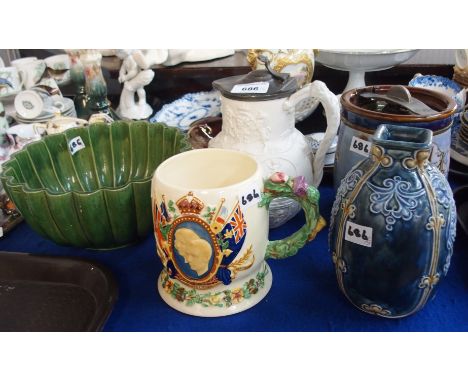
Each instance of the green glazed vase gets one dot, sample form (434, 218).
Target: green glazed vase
(79, 80)
(95, 85)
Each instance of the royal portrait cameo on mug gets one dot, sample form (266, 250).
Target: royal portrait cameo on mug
(197, 244)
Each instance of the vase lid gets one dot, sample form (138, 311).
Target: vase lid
(258, 85)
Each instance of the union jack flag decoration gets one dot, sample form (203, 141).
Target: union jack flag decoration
(234, 233)
(164, 212)
(238, 224)
(158, 220)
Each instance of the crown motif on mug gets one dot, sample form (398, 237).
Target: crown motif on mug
(190, 204)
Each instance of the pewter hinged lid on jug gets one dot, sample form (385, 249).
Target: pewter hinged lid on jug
(258, 85)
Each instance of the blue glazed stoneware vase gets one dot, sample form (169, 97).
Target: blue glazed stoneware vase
(393, 225)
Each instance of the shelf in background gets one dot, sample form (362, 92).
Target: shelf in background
(172, 82)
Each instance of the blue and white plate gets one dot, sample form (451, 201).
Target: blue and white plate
(194, 106)
(191, 107)
(442, 85)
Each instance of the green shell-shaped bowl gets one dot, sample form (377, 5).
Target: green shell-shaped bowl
(99, 197)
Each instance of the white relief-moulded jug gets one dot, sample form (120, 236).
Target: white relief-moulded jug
(258, 118)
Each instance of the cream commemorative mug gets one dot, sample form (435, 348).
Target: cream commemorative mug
(210, 213)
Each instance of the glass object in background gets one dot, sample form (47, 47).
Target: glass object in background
(79, 81)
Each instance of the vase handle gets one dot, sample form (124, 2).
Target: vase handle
(279, 185)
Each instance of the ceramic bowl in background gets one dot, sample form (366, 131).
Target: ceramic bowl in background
(91, 186)
(48, 85)
(359, 61)
(58, 62)
(188, 109)
(58, 68)
(23, 134)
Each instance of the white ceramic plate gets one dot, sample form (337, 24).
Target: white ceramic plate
(27, 115)
(68, 111)
(43, 117)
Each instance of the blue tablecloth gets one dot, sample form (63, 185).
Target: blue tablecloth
(304, 295)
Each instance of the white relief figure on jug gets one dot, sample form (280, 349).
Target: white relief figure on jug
(242, 128)
(266, 133)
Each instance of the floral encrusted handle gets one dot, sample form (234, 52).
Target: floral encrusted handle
(280, 185)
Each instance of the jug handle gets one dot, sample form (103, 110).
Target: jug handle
(329, 101)
(279, 185)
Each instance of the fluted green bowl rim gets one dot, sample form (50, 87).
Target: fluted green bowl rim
(10, 180)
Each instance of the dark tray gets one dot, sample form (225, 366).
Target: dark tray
(52, 293)
(461, 199)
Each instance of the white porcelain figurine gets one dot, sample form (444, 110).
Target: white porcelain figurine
(135, 73)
